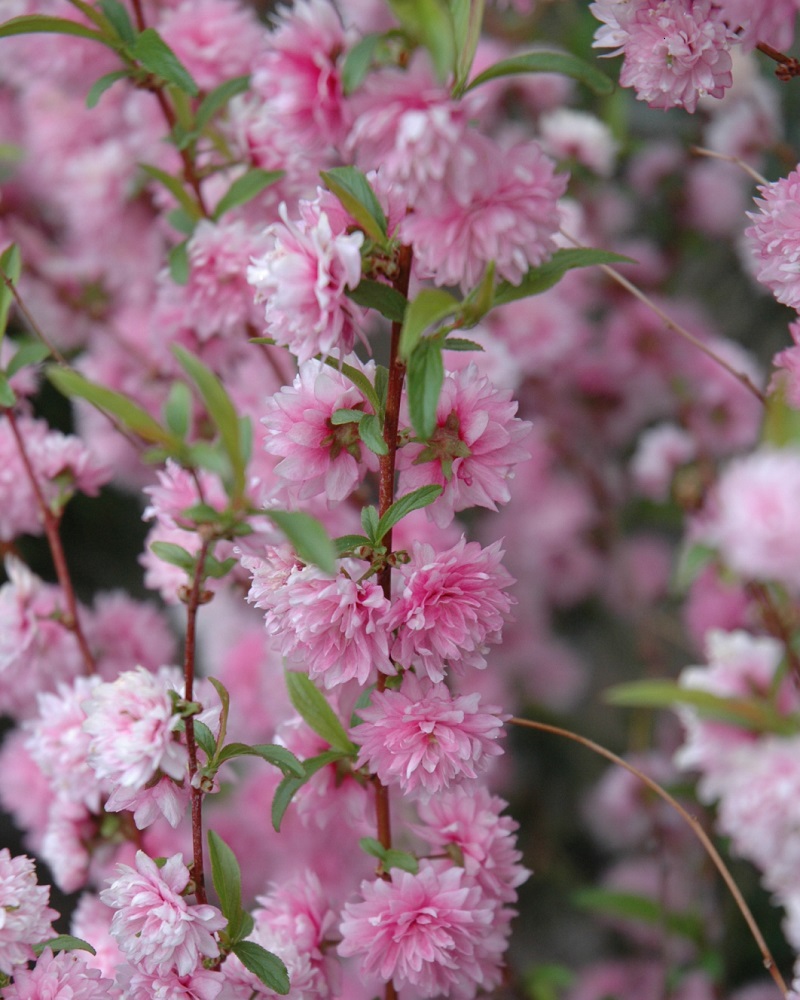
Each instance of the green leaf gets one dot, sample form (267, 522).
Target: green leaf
(29, 352)
(389, 857)
(217, 570)
(539, 279)
(310, 703)
(174, 554)
(415, 500)
(175, 186)
(7, 395)
(425, 378)
(71, 384)
(183, 221)
(178, 409)
(64, 942)
(227, 876)
(371, 433)
(30, 24)
(205, 738)
(246, 187)
(355, 193)
(119, 19)
(692, 561)
(282, 758)
(11, 268)
(781, 425)
(220, 409)
(359, 380)
(467, 21)
(178, 259)
(263, 964)
(642, 909)
(225, 703)
(548, 62)
(428, 308)
(547, 981)
(157, 57)
(346, 543)
(99, 87)
(357, 62)
(217, 98)
(209, 456)
(460, 344)
(311, 541)
(289, 787)
(383, 298)
(345, 416)
(369, 522)
(430, 23)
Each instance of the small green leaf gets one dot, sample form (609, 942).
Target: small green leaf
(201, 513)
(157, 57)
(383, 298)
(99, 87)
(225, 707)
(178, 258)
(119, 19)
(245, 188)
(373, 847)
(548, 62)
(339, 417)
(692, 561)
(311, 541)
(400, 859)
(425, 379)
(355, 193)
(178, 409)
(227, 876)
(429, 307)
(310, 703)
(460, 344)
(174, 554)
(205, 738)
(417, 499)
(369, 522)
(272, 753)
(29, 352)
(181, 220)
(781, 425)
(263, 964)
(359, 380)
(217, 569)
(539, 279)
(175, 186)
(30, 24)
(7, 395)
(430, 23)
(217, 98)
(642, 909)
(347, 543)
(371, 433)
(64, 942)
(289, 787)
(10, 267)
(357, 62)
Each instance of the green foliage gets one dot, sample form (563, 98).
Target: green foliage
(355, 193)
(245, 188)
(289, 787)
(153, 53)
(430, 307)
(63, 942)
(389, 857)
(262, 963)
(383, 298)
(416, 500)
(424, 384)
(10, 269)
(430, 23)
(311, 705)
(539, 279)
(99, 87)
(311, 541)
(548, 62)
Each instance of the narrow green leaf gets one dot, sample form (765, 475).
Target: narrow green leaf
(370, 431)
(11, 268)
(415, 500)
(29, 352)
(425, 378)
(99, 87)
(178, 409)
(246, 187)
(369, 522)
(178, 259)
(119, 19)
(539, 279)
(339, 417)
(289, 787)
(642, 909)
(460, 344)
(225, 703)
(311, 541)
(175, 186)
(157, 57)
(70, 384)
(30, 24)
(205, 738)
(359, 380)
(467, 22)
(7, 395)
(175, 555)
(430, 306)
(227, 876)
(548, 62)
(310, 703)
(430, 22)
(183, 221)
(263, 964)
(64, 942)
(346, 543)
(357, 62)
(217, 98)
(282, 758)
(355, 193)
(383, 298)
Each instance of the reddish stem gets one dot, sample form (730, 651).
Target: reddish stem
(71, 620)
(787, 68)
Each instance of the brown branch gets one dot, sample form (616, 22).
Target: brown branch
(787, 68)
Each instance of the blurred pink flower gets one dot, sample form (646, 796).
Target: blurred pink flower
(26, 917)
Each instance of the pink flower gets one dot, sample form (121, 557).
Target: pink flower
(25, 917)
(303, 279)
(424, 739)
(451, 607)
(91, 921)
(578, 135)
(124, 633)
(154, 925)
(504, 209)
(332, 628)
(199, 984)
(318, 457)
(66, 974)
(660, 452)
(473, 450)
(774, 238)
(423, 931)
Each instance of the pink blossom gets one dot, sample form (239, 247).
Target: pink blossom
(473, 450)
(504, 210)
(303, 279)
(91, 920)
(70, 829)
(318, 457)
(332, 628)
(25, 917)
(300, 910)
(452, 606)
(199, 984)
(661, 450)
(65, 974)
(423, 931)
(124, 633)
(580, 136)
(789, 360)
(774, 238)
(25, 793)
(154, 925)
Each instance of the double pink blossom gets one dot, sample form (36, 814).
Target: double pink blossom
(25, 917)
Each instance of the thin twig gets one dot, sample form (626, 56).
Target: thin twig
(34, 327)
(714, 155)
(699, 832)
(787, 68)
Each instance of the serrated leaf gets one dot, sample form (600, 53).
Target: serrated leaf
(178, 409)
(539, 279)
(30, 24)
(227, 876)
(357, 62)
(311, 541)
(424, 380)
(71, 384)
(370, 431)
(175, 555)
(205, 738)
(311, 704)
(355, 193)
(7, 395)
(346, 543)
(563, 63)
(429, 307)
(282, 758)
(263, 964)
(430, 23)
(119, 19)
(289, 787)
(178, 259)
(369, 522)
(157, 57)
(417, 499)
(11, 267)
(99, 87)
(217, 98)
(246, 187)
(460, 344)
(383, 298)
(64, 942)
(175, 186)
(29, 352)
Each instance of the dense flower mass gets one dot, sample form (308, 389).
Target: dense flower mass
(65, 974)
(774, 238)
